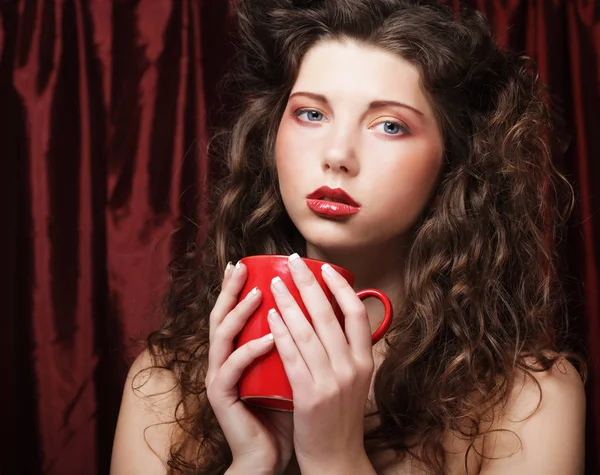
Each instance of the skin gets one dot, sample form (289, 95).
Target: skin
(388, 158)
(346, 145)
(357, 119)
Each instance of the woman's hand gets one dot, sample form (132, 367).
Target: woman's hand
(260, 441)
(329, 370)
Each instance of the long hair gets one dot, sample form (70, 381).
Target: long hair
(482, 296)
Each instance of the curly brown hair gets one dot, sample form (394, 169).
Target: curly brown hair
(482, 295)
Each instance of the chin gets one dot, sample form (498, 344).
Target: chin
(332, 236)
(333, 247)
(342, 237)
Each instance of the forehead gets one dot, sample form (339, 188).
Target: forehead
(351, 69)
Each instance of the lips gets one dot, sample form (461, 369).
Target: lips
(334, 195)
(332, 203)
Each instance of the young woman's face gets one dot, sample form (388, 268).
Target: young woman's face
(357, 119)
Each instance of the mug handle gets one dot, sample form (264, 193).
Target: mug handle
(387, 308)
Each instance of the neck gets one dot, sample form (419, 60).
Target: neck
(381, 268)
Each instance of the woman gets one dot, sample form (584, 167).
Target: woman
(444, 141)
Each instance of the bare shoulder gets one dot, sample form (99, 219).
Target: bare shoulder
(146, 423)
(541, 430)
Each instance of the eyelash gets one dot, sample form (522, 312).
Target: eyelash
(403, 128)
(299, 112)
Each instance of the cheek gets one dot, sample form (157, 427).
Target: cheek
(408, 179)
(286, 160)
(289, 150)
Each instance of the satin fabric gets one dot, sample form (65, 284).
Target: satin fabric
(105, 112)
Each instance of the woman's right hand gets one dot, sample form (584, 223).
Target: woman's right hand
(261, 441)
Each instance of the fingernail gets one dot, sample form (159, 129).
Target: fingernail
(295, 261)
(279, 286)
(238, 265)
(327, 269)
(253, 293)
(268, 337)
(228, 268)
(273, 316)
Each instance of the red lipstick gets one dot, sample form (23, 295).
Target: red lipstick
(332, 202)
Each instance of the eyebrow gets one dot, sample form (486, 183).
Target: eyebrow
(373, 105)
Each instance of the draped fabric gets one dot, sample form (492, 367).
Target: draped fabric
(106, 109)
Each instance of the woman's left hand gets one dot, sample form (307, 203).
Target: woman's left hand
(329, 370)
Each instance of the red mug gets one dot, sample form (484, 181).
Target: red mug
(264, 383)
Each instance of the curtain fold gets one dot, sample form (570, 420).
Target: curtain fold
(105, 113)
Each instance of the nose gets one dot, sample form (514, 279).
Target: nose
(340, 154)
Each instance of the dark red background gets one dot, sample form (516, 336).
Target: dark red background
(103, 126)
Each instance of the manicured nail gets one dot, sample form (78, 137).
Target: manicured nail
(268, 337)
(295, 261)
(253, 293)
(327, 269)
(279, 286)
(238, 265)
(273, 316)
(228, 268)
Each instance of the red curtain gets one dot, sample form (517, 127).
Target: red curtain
(105, 113)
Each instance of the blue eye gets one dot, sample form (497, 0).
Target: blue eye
(393, 128)
(312, 115)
